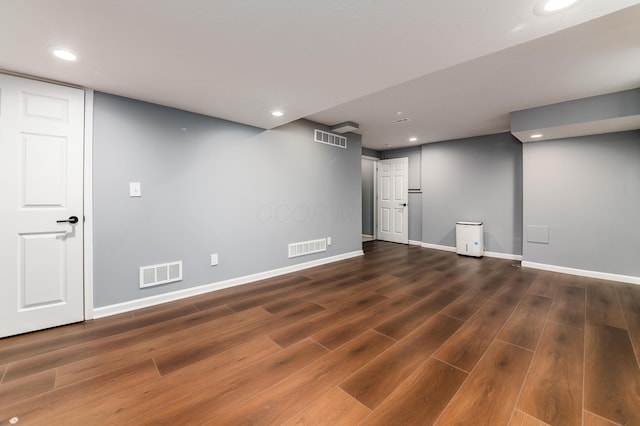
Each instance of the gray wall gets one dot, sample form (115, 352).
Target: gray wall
(587, 191)
(368, 194)
(595, 108)
(415, 216)
(368, 191)
(216, 187)
(370, 152)
(473, 179)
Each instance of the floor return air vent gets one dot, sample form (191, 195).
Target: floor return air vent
(307, 247)
(160, 274)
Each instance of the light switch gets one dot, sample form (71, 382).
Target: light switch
(214, 259)
(134, 189)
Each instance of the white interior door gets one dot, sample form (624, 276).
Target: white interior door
(41, 183)
(393, 195)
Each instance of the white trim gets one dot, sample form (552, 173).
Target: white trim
(582, 272)
(119, 308)
(503, 255)
(438, 247)
(375, 199)
(562, 269)
(486, 253)
(375, 194)
(88, 204)
(415, 243)
(367, 236)
(404, 237)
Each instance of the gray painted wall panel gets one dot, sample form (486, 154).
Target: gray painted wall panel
(612, 105)
(216, 187)
(415, 216)
(587, 191)
(368, 167)
(474, 179)
(370, 153)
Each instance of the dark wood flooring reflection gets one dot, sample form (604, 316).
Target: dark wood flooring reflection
(403, 335)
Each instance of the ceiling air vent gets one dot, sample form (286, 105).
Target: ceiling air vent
(347, 126)
(401, 121)
(330, 139)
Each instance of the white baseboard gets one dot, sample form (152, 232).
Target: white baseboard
(503, 255)
(367, 236)
(415, 243)
(437, 247)
(119, 308)
(486, 253)
(582, 272)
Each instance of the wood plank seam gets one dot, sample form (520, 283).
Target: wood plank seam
(485, 353)
(531, 363)
(636, 350)
(600, 417)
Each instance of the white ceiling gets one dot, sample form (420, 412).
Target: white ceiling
(455, 67)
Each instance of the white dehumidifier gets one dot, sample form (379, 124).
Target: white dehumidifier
(469, 240)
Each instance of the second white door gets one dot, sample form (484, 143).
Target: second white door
(41, 205)
(393, 211)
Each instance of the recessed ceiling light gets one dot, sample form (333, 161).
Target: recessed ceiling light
(277, 113)
(547, 7)
(63, 54)
(413, 139)
(536, 136)
(556, 5)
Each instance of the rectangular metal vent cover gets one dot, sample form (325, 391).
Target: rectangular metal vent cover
(330, 138)
(307, 247)
(160, 274)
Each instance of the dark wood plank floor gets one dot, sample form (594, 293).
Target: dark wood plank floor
(403, 335)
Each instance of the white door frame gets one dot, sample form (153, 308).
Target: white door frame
(87, 191)
(375, 199)
(375, 193)
(88, 204)
(86, 275)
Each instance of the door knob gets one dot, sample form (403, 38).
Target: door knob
(404, 204)
(72, 219)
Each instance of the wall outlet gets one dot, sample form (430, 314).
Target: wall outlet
(214, 259)
(134, 189)
(328, 241)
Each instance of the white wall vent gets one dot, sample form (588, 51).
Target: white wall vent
(330, 139)
(160, 274)
(307, 247)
